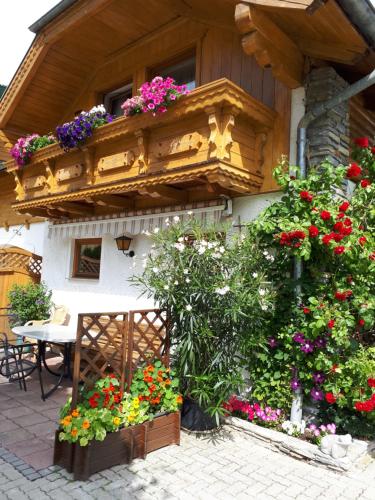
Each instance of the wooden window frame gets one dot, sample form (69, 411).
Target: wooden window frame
(77, 245)
(118, 90)
(153, 70)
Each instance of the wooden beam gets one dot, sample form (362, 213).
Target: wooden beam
(243, 19)
(75, 208)
(164, 192)
(282, 4)
(112, 200)
(329, 51)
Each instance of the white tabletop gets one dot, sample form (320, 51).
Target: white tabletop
(47, 333)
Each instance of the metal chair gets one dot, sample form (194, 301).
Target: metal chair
(12, 364)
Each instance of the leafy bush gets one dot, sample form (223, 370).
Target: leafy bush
(28, 302)
(216, 298)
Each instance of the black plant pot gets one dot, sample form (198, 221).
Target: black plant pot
(194, 418)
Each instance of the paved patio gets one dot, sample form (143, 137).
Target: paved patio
(229, 465)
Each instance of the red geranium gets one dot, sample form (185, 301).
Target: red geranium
(361, 322)
(331, 323)
(353, 171)
(313, 231)
(325, 215)
(344, 206)
(365, 183)
(306, 310)
(371, 382)
(327, 238)
(362, 240)
(339, 250)
(330, 398)
(362, 142)
(305, 195)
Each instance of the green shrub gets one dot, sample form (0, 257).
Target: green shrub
(30, 302)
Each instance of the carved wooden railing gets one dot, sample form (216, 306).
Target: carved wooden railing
(218, 133)
(118, 343)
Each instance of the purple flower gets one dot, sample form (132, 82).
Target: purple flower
(319, 377)
(320, 342)
(307, 347)
(272, 342)
(299, 337)
(316, 394)
(295, 384)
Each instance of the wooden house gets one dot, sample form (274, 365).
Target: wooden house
(252, 67)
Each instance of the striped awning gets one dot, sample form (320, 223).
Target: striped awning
(137, 223)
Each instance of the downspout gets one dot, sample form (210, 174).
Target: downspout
(316, 112)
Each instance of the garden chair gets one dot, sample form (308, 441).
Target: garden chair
(13, 365)
(59, 316)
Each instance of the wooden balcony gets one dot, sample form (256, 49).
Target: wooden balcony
(214, 141)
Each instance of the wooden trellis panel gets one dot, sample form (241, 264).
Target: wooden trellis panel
(118, 343)
(100, 348)
(148, 339)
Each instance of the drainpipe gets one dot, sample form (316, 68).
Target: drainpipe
(316, 112)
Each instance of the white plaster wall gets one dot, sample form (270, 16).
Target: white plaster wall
(111, 293)
(29, 239)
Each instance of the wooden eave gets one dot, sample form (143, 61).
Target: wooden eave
(200, 154)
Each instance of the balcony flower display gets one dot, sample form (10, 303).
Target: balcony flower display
(24, 148)
(75, 133)
(154, 97)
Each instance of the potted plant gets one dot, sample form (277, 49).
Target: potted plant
(109, 428)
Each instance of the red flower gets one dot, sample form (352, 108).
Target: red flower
(340, 215)
(353, 171)
(330, 398)
(339, 226)
(339, 250)
(334, 368)
(327, 239)
(373, 150)
(306, 310)
(365, 183)
(344, 206)
(338, 237)
(346, 231)
(362, 142)
(305, 195)
(325, 215)
(331, 323)
(292, 177)
(371, 382)
(343, 295)
(347, 222)
(362, 240)
(313, 231)
(361, 322)
(372, 256)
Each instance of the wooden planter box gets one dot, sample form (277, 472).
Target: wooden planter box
(118, 447)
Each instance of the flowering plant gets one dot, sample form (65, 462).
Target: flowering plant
(32, 301)
(73, 134)
(155, 96)
(157, 385)
(254, 412)
(315, 433)
(24, 148)
(217, 299)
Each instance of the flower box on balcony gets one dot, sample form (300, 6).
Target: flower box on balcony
(118, 447)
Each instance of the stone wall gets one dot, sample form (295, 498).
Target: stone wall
(328, 136)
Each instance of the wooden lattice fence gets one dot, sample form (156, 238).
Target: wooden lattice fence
(118, 343)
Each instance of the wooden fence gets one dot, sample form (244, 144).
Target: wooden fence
(118, 343)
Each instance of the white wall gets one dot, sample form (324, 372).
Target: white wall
(29, 239)
(111, 293)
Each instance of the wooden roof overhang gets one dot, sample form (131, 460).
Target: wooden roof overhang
(213, 141)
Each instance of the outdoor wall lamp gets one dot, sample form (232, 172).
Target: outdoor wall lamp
(123, 244)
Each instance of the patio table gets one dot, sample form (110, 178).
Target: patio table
(55, 335)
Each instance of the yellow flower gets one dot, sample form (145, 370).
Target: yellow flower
(136, 401)
(62, 422)
(130, 418)
(116, 421)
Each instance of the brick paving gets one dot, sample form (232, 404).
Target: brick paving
(226, 465)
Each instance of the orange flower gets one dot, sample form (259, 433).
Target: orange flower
(152, 388)
(68, 418)
(86, 424)
(160, 373)
(150, 368)
(179, 399)
(74, 432)
(148, 379)
(168, 381)
(159, 379)
(75, 413)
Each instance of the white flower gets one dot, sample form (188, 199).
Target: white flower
(255, 275)
(98, 109)
(262, 292)
(204, 243)
(265, 253)
(181, 239)
(187, 280)
(176, 282)
(190, 212)
(189, 307)
(147, 233)
(180, 246)
(166, 287)
(156, 230)
(264, 307)
(201, 250)
(186, 271)
(155, 269)
(221, 249)
(176, 218)
(222, 291)
(167, 220)
(216, 255)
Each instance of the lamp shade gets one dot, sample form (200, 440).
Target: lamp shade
(123, 243)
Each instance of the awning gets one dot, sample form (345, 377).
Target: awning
(138, 223)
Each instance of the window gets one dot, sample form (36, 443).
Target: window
(182, 71)
(86, 263)
(113, 100)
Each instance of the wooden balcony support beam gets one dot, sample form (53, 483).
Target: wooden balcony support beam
(164, 192)
(75, 208)
(113, 201)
